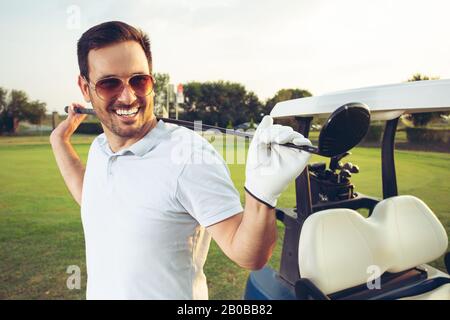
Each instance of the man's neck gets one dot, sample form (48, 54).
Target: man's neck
(117, 143)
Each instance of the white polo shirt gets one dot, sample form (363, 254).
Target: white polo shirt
(144, 210)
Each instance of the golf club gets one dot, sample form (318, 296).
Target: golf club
(351, 167)
(343, 130)
(343, 176)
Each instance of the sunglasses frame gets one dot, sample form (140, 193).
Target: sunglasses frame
(93, 86)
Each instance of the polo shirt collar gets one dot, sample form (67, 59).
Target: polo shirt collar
(141, 147)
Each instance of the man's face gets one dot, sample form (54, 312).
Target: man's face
(121, 60)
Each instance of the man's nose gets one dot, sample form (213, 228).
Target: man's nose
(127, 96)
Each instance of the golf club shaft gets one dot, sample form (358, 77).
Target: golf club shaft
(199, 126)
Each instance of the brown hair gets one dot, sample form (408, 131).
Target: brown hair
(108, 33)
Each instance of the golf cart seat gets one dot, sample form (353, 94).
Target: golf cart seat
(339, 250)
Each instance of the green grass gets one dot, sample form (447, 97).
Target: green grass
(41, 232)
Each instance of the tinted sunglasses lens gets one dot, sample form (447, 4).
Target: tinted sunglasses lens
(109, 88)
(142, 85)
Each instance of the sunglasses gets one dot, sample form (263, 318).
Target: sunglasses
(111, 88)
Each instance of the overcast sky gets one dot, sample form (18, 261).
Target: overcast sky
(318, 45)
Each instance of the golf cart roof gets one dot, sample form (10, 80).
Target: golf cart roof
(385, 102)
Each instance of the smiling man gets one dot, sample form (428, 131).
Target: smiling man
(148, 213)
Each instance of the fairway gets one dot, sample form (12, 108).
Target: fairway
(41, 232)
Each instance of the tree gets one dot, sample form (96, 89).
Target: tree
(16, 107)
(422, 119)
(286, 94)
(161, 82)
(255, 109)
(252, 124)
(283, 95)
(220, 103)
(3, 94)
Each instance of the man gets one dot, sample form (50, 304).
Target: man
(149, 207)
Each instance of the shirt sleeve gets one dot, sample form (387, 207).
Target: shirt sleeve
(205, 189)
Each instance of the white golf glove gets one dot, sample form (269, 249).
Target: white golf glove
(271, 167)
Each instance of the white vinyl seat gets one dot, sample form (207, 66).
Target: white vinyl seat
(340, 249)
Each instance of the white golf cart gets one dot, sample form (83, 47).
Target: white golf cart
(330, 251)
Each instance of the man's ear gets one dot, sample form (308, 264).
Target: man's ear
(84, 87)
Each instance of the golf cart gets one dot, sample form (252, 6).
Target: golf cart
(330, 251)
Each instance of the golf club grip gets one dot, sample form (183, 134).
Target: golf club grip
(202, 127)
(310, 149)
(80, 111)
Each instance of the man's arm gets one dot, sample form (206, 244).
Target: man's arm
(68, 161)
(249, 237)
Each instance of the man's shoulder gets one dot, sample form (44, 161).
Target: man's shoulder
(193, 148)
(100, 139)
(98, 142)
(188, 138)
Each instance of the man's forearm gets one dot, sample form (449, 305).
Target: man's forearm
(70, 166)
(256, 236)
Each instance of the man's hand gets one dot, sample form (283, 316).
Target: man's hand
(271, 167)
(66, 128)
(69, 163)
(250, 237)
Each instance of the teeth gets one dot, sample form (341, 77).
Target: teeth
(127, 111)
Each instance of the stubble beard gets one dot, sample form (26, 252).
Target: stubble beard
(131, 130)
